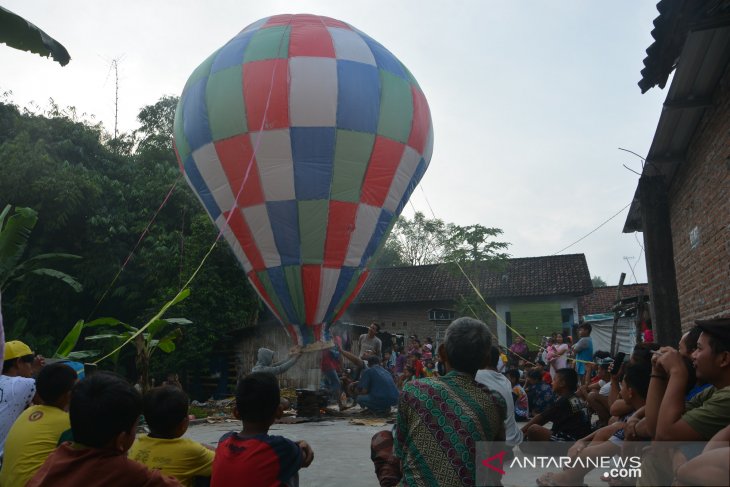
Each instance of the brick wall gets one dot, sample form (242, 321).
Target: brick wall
(700, 204)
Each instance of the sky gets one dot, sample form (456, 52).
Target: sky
(530, 100)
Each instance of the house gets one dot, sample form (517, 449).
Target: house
(603, 299)
(599, 307)
(535, 295)
(682, 201)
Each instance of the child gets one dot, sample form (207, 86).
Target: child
(539, 394)
(163, 449)
(104, 411)
(519, 395)
(569, 414)
(429, 369)
(252, 456)
(39, 429)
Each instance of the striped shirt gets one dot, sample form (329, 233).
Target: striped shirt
(440, 419)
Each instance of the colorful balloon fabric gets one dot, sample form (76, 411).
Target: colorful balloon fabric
(314, 136)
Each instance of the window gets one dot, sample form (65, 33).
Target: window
(437, 314)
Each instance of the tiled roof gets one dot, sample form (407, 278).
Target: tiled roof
(676, 18)
(602, 299)
(522, 277)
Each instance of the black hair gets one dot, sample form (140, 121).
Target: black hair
(165, 408)
(494, 356)
(257, 397)
(418, 355)
(587, 326)
(717, 345)
(102, 406)
(570, 378)
(637, 377)
(514, 373)
(601, 354)
(54, 381)
(9, 364)
(535, 375)
(642, 352)
(692, 336)
(376, 326)
(373, 360)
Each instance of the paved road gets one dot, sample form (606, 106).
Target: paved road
(342, 453)
(341, 449)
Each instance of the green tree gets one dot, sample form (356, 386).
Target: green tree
(100, 201)
(598, 281)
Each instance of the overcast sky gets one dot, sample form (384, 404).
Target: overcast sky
(530, 99)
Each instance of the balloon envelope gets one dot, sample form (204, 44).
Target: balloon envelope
(303, 138)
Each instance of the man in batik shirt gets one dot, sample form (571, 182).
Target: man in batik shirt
(427, 410)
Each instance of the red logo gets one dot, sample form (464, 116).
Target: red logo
(499, 456)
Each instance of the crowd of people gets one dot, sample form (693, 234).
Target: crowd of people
(59, 430)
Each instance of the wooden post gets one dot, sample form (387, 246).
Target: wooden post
(664, 300)
(616, 313)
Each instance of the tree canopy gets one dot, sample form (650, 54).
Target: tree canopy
(95, 197)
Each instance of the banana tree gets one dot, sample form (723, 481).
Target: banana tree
(15, 229)
(161, 334)
(18, 33)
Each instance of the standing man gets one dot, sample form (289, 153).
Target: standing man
(17, 387)
(369, 342)
(584, 352)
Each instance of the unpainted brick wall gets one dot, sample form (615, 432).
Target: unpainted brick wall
(700, 197)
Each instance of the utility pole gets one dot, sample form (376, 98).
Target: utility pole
(616, 314)
(115, 66)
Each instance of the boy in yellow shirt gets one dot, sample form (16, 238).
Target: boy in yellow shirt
(40, 428)
(166, 413)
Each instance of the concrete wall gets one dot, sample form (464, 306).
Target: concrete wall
(700, 216)
(405, 318)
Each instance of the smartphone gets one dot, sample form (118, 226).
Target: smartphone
(617, 363)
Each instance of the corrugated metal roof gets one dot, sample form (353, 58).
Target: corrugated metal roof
(704, 59)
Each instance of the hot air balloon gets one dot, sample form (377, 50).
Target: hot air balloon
(303, 138)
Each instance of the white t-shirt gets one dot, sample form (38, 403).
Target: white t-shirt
(16, 394)
(605, 387)
(501, 385)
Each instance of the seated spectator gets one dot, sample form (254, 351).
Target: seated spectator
(166, 412)
(687, 346)
(569, 414)
(540, 395)
(499, 383)
(668, 417)
(607, 441)
(596, 394)
(519, 395)
(253, 456)
(17, 384)
(709, 468)
(708, 412)
(40, 428)
(376, 389)
(104, 412)
(425, 409)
